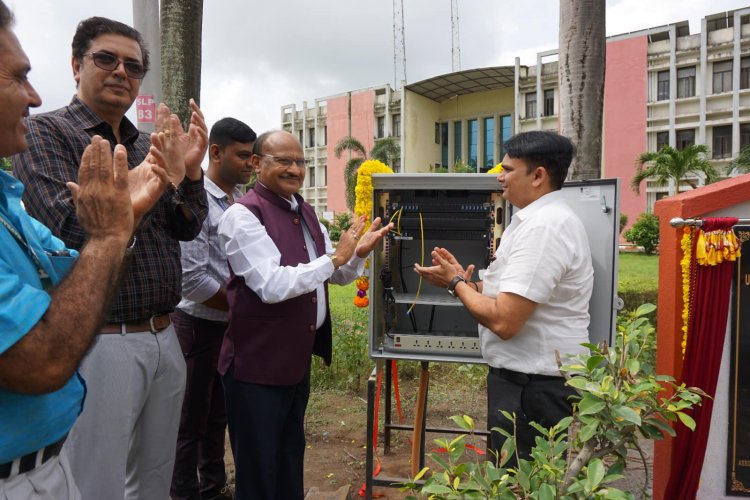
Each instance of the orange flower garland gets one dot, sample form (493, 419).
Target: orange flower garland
(363, 206)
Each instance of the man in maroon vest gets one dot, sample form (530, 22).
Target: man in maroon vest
(281, 261)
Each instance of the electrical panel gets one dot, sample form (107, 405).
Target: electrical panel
(465, 213)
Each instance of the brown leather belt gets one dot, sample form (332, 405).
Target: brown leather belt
(154, 324)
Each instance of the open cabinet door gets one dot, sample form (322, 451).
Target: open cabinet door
(597, 204)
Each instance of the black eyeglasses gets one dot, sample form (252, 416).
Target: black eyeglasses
(110, 62)
(288, 162)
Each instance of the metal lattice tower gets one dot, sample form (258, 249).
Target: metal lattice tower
(455, 42)
(399, 45)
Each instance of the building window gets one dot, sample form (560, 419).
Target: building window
(722, 76)
(720, 23)
(744, 135)
(300, 136)
(722, 146)
(311, 175)
(396, 125)
(311, 138)
(685, 138)
(325, 135)
(549, 102)
(443, 138)
(686, 82)
(457, 149)
(381, 127)
(662, 85)
(506, 131)
(531, 105)
(473, 141)
(745, 73)
(489, 144)
(662, 139)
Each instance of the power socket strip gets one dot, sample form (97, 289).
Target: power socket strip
(468, 346)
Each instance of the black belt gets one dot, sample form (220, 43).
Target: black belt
(29, 461)
(519, 378)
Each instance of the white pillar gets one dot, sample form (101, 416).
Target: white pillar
(146, 21)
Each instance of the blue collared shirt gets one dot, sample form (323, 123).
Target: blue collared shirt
(30, 422)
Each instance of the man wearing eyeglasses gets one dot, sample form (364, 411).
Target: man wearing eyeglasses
(281, 261)
(123, 445)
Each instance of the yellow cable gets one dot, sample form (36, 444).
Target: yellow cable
(397, 231)
(419, 287)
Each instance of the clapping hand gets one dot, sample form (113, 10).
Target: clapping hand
(101, 196)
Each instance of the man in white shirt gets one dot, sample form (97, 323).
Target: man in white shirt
(200, 320)
(533, 300)
(281, 260)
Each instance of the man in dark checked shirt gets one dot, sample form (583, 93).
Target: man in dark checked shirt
(123, 445)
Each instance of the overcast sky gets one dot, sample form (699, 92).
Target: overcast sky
(258, 56)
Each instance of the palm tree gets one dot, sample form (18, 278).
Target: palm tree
(581, 77)
(741, 163)
(385, 150)
(181, 25)
(670, 163)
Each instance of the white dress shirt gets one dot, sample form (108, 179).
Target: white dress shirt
(544, 256)
(254, 256)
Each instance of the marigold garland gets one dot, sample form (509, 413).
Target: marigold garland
(496, 169)
(363, 206)
(685, 264)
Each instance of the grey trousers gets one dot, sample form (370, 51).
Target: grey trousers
(52, 480)
(123, 444)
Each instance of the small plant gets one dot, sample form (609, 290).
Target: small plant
(618, 401)
(645, 233)
(341, 222)
(6, 165)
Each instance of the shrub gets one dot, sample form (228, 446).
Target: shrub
(341, 222)
(645, 233)
(623, 221)
(619, 400)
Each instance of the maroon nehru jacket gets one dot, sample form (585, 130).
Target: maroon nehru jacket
(272, 344)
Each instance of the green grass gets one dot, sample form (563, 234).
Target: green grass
(638, 279)
(638, 268)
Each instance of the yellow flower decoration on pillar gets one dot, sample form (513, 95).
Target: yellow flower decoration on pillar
(685, 264)
(363, 206)
(496, 169)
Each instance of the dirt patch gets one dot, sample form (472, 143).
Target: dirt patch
(335, 427)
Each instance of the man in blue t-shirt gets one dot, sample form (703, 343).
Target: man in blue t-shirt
(53, 300)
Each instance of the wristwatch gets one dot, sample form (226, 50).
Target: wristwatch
(455, 281)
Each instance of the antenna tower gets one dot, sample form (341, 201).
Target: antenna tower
(455, 42)
(399, 46)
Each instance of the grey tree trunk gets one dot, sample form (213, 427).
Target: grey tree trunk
(181, 27)
(581, 77)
